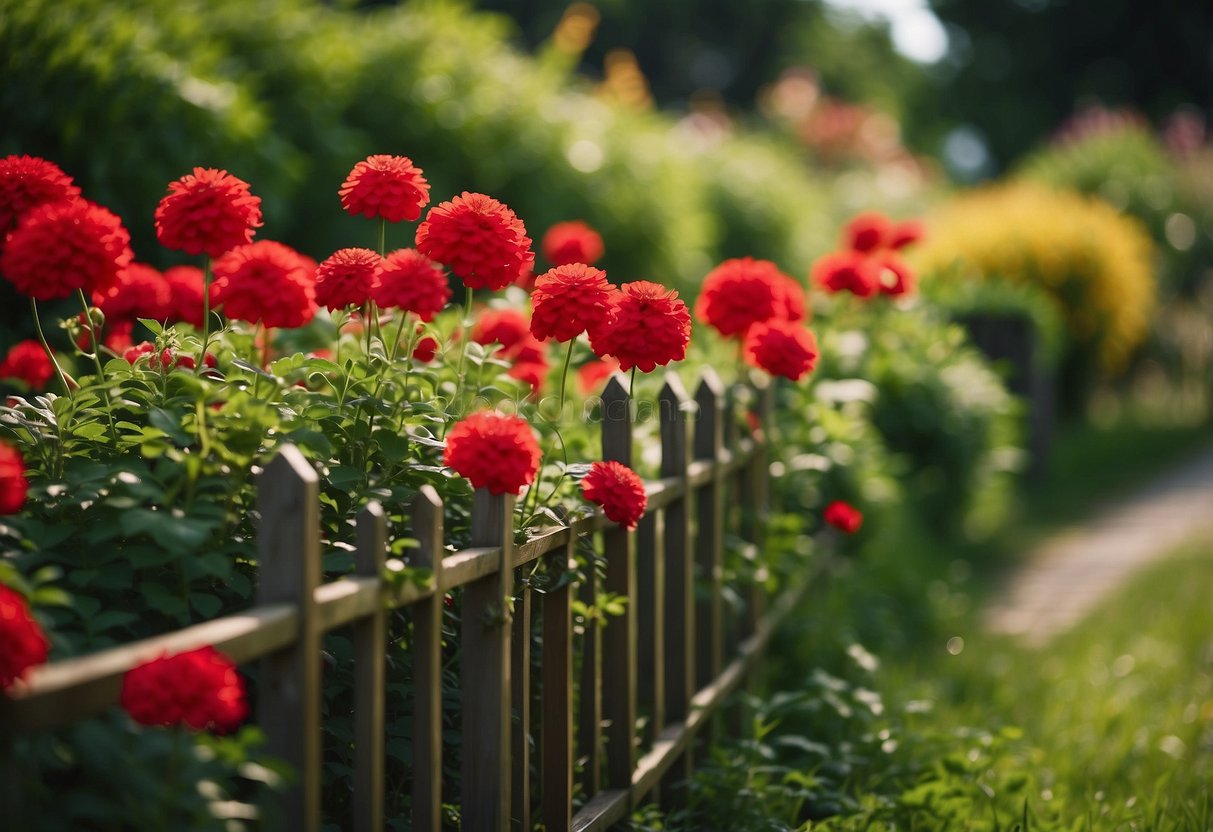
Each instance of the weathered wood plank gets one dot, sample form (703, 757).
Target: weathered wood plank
(427, 665)
(370, 648)
(650, 620)
(556, 734)
(520, 733)
(709, 541)
(589, 716)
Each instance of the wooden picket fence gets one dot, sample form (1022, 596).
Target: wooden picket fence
(674, 655)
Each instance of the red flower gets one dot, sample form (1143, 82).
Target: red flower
(791, 304)
(138, 351)
(619, 490)
(568, 300)
(412, 282)
(27, 182)
(507, 327)
(480, 239)
(906, 233)
(847, 271)
(347, 278)
(426, 349)
(185, 284)
(207, 212)
(27, 361)
(493, 451)
(592, 375)
(572, 242)
(22, 643)
(199, 688)
(867, 232)
(267, 282)
(141, 292)
(532, 372)
(390, 187)
(843, 516)
(781, 348)
(896, 278)
(119, 336)
(648, 326)
(741, 292)
(64, 246)
(13, 484)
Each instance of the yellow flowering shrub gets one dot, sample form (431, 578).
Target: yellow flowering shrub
(1096, 263)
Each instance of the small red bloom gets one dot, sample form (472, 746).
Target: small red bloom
(847, 271)
(64, 246)
(138, 351)
(27, 182)
(493, 451)
(507, 327)
(867, 232)
(532, 372)
(390, 187)
(347, 278)
(906, 233)
(13, 484)
(185, 285)
(267, 282)
(896, 277)
(207, 212)
(27, 362)
(426, 349)
(199, 688)
(479, 238)
(568, 300)
(141, 292)
(781, 348)
(118, 336)
(791, 304)
(619, 490)
(412, 282)
(592, 375)
(22, 643)
(649, 326)
(741, 292)
(843, 516)
(572, 242)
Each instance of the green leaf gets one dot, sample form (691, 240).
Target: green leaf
(153, 326)
(207, 605)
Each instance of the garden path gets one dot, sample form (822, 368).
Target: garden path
(1071, 571)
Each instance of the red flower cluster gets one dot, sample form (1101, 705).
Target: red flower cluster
(26, 361)
(267, 282)
(568, 300)
(141, 292)
(648, 326)
(13, 484)
(63, 246)
(390, 187)
(843, 516)
(510, 328)
(166, 359)
(412, 282)
(186, 285)
(781, 348)
(199, 688)
(869, 263)
(741, 292)
(207, 212)
(847, 271)
(27, 182)
(619, 490)
(479, 238)
(347, 278)
(22, 643)
(493, 451)
(872, 231)
(572, 242)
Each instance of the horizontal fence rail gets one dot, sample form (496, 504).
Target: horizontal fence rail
(662, 659)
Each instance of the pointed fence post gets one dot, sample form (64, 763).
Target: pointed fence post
(556, 736)
(427, 666)
(709, 540)
(370, 649)
(288, 546)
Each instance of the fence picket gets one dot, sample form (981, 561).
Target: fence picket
(556, 732)
(370, 650)
(520, 734)
(427, 666)
(709, 543)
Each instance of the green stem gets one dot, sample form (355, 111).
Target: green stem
(632, 385)
(564, 377)
(463, 349)
(206, 313)
(92, 334)
(382, 236)
(33, 305)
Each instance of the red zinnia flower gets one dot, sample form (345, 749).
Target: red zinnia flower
(493, 451)
(64, 246)
(199, 688)
(847, 271)
(507, 327)
(532, 372)
(479, 238)
(265, 281)
(385, 186)
(568, 300)
(591, 376)
(896, 278)
(648, 326)
(781, 348)
(741, 292)
(26, 182)
(347, 278)
(412, 282)
(141, 292)
(572, 242)
(867, 232)
(619, 490)
(791, 304)
(13, 484)
(843, 516)
(22, 643)
(185, 284)
(207, 212)
(906, 233)
(27, 361)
